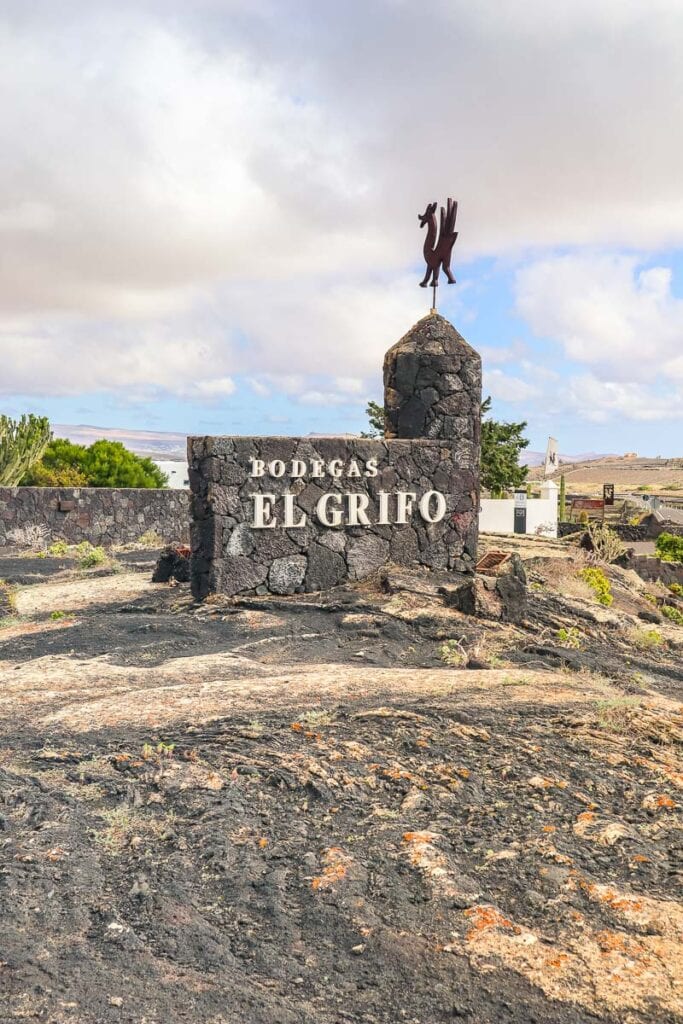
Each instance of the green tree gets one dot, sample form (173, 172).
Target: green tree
(61, 465)
(22, 442)
(501, 445)
(110, 464)
(375, 415)
(102, 464)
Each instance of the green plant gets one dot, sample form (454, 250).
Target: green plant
(673, 614)
(451, 652)
(569, 637)
(563, 500)
(607, 545)
(59, 547)
(650, 598)
(102, 464)
(634, 520)
(93, 556)
(375, 414)
(150, 539)
(583, 517)
(669, 547)
(676, 589)
(600, 585)
(644, 487)
(646, 639)
(57, 615)
(22, 442)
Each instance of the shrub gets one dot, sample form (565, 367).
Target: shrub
(673, 614)
(55, 616)
(569, 637)
(676, 589)
(452, 653)
(90, 556)
(645, 639)
(598, 582)
(102, 464)
(669, 547)
(59, 547)
(606, 544)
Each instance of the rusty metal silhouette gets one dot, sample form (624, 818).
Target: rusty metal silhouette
(437, 250)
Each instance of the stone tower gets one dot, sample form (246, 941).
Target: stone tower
(432, 385)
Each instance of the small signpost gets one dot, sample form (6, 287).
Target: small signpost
(608, 494)
(520, 512)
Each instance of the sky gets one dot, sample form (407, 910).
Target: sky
(209, 210)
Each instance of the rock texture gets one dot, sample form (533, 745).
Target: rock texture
(229, 556)
(432, 386)
(101, 515)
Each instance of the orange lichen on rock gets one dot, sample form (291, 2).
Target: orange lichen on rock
(484, 917)
(336, 868)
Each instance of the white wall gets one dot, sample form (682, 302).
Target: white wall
(176, 470)
(497, 515)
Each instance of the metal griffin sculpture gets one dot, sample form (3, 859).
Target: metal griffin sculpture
(437, 251)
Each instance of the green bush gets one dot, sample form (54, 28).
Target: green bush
(669, 548)
(672, 614)
(102, 464)
(676, 589)
(89, 556)
(60, 547)
(646, 639)
(598, 582)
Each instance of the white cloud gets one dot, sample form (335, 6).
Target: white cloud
(508, 388)
(599, 401)
(195, 191)
(607, 312)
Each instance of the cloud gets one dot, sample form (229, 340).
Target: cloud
(193, 192)
(599, 401)
(606, 311)
(508, 388)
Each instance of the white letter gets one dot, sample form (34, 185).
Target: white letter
(276, 467)
(371, 467)
(405, 505)
(335, 471)
(298, 468)
(258, 467)
(357, 504)
(383, 509)
(440, 506)
(334, 517)
(263, 508)
(289, 513)
(317, 468)
(354, 468)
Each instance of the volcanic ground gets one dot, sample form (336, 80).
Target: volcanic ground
(360, 806)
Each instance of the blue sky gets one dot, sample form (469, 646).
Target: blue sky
(208, 213)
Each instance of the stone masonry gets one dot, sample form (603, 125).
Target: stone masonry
(230, 555)
(432, 384)
(101, 515)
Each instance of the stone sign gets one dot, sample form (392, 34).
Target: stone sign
(288, 515)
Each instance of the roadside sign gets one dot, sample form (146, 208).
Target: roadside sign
(608, 494)
(520, 512)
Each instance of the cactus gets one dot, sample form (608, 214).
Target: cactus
(22, 442)
(563, 500)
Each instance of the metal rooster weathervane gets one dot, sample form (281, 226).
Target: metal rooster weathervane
(437, 251)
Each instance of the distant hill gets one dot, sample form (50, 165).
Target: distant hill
(538, 458)
(153, 443)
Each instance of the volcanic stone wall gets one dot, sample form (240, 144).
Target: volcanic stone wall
(288, 515)
(432, 384)
(101, 515)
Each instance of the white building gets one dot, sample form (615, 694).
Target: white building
(176, 471)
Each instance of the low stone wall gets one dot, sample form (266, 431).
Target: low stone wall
(287, 515)
(652, 568)
(101, 515)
